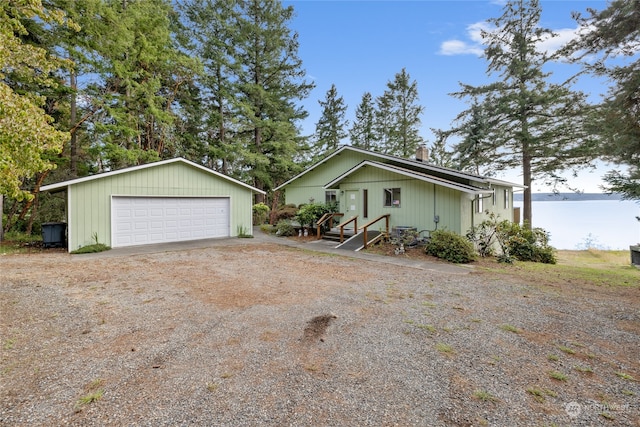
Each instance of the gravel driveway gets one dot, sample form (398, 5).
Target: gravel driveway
(259, 333)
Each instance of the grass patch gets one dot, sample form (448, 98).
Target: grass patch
(584, 369)
(444, 348)
(484, 395)
(89, 398)
(625, 376)
(557, 375)
(590, 267)
(553, 357)
(91, 249)
(540, 394)
(510, 328)
(567, 350)
(429, 328)
(18, 243)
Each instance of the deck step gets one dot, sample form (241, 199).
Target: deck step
(334, 234)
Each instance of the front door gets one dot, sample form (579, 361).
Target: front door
(351, 203)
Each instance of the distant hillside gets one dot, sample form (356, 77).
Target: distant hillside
(555, 197)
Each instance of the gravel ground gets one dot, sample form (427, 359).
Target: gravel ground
(257, 333)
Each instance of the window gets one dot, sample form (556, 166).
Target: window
(506, 199)
(391, 197)
(494, 197)
(330, 197)
(479, 203)
(365, 203)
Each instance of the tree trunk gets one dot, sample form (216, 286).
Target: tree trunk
(1, 217)
(526, 178)
(73, 143)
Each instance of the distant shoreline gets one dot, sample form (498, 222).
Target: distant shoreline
(567, 197)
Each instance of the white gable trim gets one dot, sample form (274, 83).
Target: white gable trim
(145, 166)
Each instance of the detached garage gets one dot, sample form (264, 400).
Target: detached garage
(168, 201)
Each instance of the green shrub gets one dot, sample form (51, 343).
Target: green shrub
(309, 214)
(284, 228)
(90, 249)
(260, 213)
(516, 242)
(483, 236)
(285, 212)
(524, 243)
(450, 246)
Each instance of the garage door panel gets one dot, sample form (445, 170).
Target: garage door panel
(145, 220)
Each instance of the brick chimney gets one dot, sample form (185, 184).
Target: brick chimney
(422, 154)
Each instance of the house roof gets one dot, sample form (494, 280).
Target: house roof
(146, 166)
(414, 164)
(412, 174)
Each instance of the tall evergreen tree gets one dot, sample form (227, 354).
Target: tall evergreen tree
(438, 154)
(362, 131)
(270, 81)
(211, 35)
(330, 129)
(472, 152)
(383, 124)
(402, 96)
(140, 71)
(534, 125)
(607, 37)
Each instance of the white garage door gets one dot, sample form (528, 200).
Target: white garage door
(148, 220)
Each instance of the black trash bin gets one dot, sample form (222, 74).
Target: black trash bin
(53, 234)
(635, 255)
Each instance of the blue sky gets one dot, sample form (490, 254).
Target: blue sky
(360, 45)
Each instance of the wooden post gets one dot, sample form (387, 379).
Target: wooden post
(1, 217)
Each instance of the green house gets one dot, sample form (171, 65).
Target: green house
(166, 201)
(414, 193)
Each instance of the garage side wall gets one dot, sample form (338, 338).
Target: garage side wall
(90, 201)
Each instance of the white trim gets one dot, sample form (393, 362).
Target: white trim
(69, 228)
(412, 174)
(145, 166)
(408, 162)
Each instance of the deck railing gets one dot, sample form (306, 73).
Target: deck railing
(324, 218)
(370, 223)
(353, 219)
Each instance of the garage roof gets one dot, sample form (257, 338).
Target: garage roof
(65, 184)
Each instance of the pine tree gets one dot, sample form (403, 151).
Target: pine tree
(402, 97)
(141, 69)
(607, 38)
(270, 80)
(207, 106)
(471, 153)
(330, 129)
(438, 154)
(533, 125)
(362, 131)
(383, 125)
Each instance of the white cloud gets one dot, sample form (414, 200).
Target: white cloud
(552, 44)
(459, 47)
(475, 46)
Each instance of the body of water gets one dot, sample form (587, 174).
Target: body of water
(601, 224)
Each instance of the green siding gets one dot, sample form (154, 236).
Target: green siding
(89, 202)
(311, 185)
(420, 201)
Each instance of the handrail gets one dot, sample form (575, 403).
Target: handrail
(367, 225)
(353, 219)
(324, 218)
